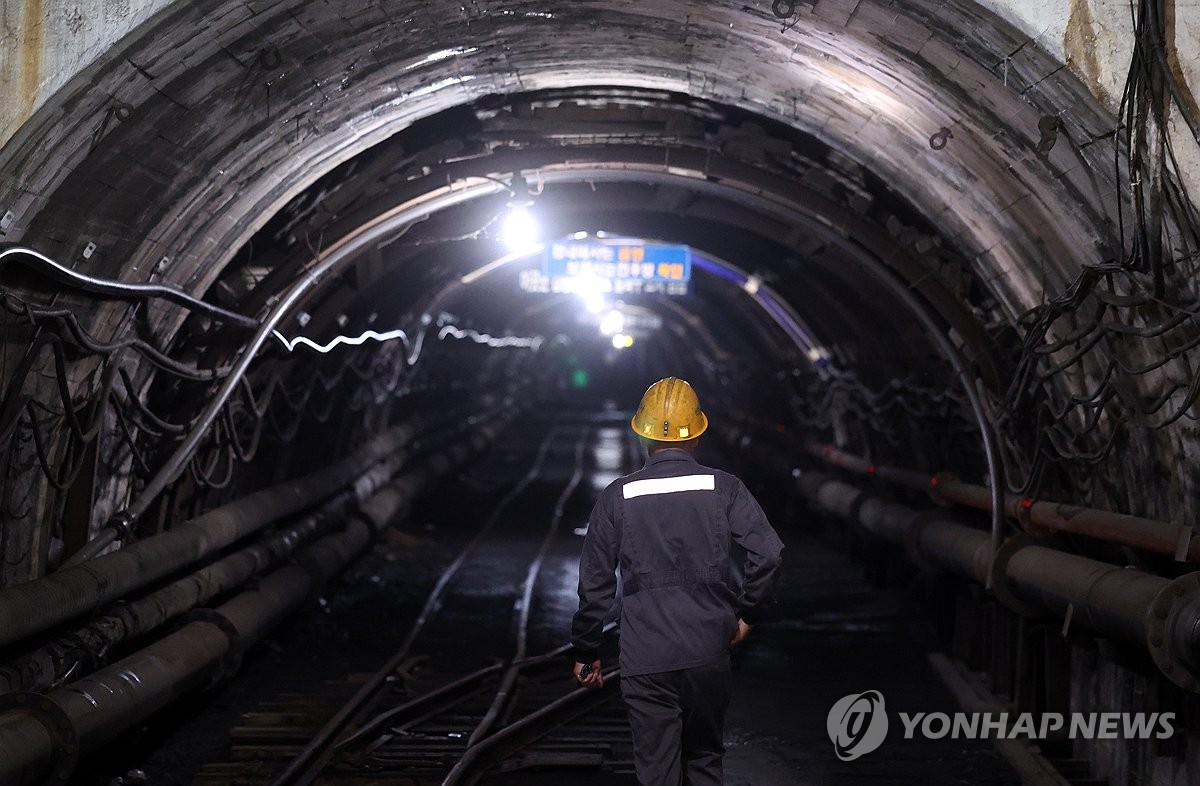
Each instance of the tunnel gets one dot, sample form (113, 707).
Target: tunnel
(324, 324)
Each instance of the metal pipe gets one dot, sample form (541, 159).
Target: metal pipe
(115, 529)
(1184, 633)
(43, 603)
(54, 661)
(91, 711)
(1159, 537)
(837, 498)
(886, 519)
(51, 662)
(1106, 598)
(964, 551)
(120, 524)
(109, 701)
(106, 703)
(1129, 605)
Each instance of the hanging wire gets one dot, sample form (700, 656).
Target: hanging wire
(350, 380)
(1123, 332)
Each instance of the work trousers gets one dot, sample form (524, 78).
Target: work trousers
(678, 720)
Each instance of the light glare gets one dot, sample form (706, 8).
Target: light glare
(590, 289)
(593, 301)
(612, 323)
(520, 230)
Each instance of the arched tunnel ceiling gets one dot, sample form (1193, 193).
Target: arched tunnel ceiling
(595, 157)
(867, 149)
(221, 128)
(918, 240)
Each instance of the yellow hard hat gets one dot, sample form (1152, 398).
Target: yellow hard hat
(669, 412)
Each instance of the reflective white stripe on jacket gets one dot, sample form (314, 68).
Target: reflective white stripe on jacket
(671, 527)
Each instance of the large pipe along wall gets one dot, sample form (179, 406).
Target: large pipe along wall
(1033, 578)
(1158, 537)
(42, 735)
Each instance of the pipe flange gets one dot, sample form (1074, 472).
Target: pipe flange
(1169, 609)
(231, 661)
(58, 725)
(998, 574)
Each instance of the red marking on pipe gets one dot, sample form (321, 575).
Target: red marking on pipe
(933, 481)
(1027, 503)
(870, 469)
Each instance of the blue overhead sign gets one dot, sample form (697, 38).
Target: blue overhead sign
(618, 261)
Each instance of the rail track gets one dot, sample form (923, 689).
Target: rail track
(461, 701)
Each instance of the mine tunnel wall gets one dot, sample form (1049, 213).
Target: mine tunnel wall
(228, 163)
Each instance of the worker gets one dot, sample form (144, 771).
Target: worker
(671, 527)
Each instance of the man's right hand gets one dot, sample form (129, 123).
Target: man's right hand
(743, 630)
(593, 679)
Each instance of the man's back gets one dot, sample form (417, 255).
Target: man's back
(671, 527)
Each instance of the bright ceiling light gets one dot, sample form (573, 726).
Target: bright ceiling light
(519, 230)
(622, 341)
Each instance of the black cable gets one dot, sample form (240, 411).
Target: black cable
(35, 314)
(127, 435)
(161, 426)
(104, 286)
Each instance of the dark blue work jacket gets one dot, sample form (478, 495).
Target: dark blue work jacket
(671, 527)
